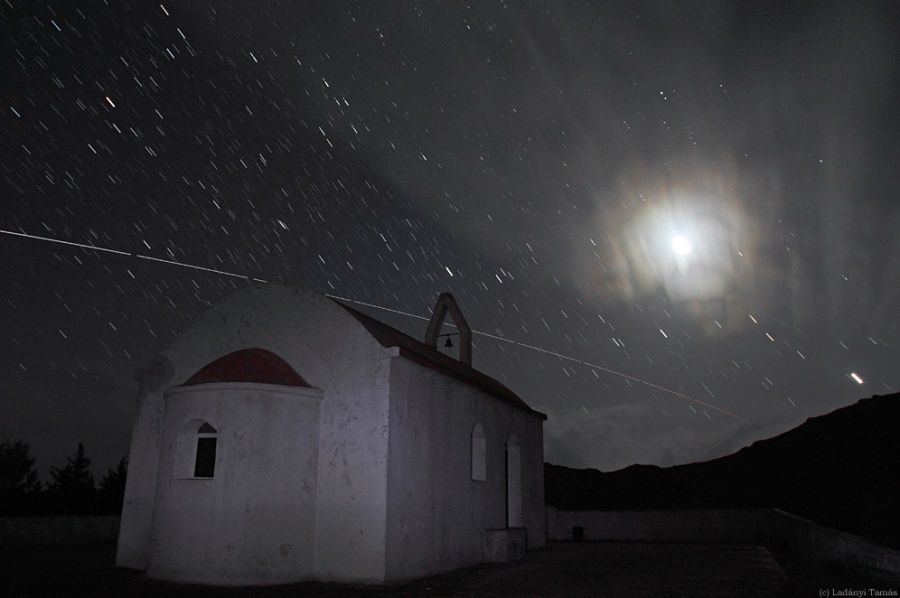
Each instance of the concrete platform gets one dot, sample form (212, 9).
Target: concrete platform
(622, 570)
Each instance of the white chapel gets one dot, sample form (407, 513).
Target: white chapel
(286, 436)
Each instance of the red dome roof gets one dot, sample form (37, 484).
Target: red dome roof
(248, 365)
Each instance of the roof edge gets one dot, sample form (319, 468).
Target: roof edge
(419, 352)
(520, 404)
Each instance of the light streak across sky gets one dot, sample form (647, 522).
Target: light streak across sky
(383, 308)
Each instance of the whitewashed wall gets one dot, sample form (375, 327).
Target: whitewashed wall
(254, 521)
(332, 352)
(436, 512)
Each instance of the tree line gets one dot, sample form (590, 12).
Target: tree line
(71, 490)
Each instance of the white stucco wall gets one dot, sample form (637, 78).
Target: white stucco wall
(353, 447)
(254, 521)
(334, 353)
(133, 547)
(436, 512)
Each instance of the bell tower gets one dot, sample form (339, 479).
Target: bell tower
(446, 303)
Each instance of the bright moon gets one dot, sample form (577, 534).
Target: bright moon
(681, 245)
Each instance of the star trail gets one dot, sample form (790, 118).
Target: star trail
(673, 225)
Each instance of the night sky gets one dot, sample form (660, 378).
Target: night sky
(702, 196)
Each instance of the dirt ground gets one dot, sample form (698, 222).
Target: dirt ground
(623, 570)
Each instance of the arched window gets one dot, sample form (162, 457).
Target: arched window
(205, 458)
(479, 454)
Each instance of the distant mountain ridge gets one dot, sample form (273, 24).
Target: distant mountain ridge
(841, 470)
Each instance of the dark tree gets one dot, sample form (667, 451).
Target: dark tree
(72, 489)
(112, 489)
(19, 485)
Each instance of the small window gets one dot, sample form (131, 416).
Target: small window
(479, 454)
(205, 462)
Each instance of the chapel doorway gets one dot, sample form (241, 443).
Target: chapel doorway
(513, 482)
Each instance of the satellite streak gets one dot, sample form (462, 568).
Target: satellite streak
(381, 307)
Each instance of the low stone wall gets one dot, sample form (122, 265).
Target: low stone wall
(505, 544)
(17, 531)
(696, 525)
(805, 538)
(771, 527)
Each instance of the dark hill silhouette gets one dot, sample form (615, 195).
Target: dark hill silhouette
(841, 470)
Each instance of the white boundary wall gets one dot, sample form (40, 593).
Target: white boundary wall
(772, 527)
